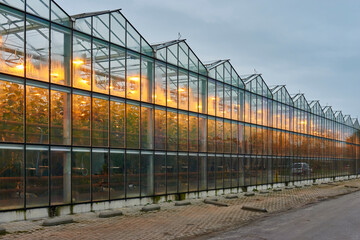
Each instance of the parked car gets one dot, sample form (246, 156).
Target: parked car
(301, 168)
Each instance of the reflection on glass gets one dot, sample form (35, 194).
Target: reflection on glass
(37, 176)
(132, 166)
(160, 129)
(117, 71)
(183, 165)
(160, 84)
(211, 98)
(133, 76)
(160, 173)
(183, 90)
(183, 131)
(193, 172)
(172, 130)
(147, 131)
(193, 94)
(147, 173)
(37, 115)
(193, 133)
(81, 119)
(100, 67)
(147, 80)
(172, 87)
(81, 174)
(132, 125)
(171, 172)
(117, 174)
(12, 112)
(11, 177)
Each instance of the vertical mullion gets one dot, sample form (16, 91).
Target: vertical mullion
(25, 105)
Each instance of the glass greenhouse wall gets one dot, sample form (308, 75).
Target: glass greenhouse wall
(91, 112)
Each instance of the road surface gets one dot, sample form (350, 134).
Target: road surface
(337, 218)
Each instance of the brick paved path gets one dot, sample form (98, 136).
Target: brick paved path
(178, 222)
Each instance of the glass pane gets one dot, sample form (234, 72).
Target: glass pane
(146, 48)
(183, 173)
(219, 167)
(12, 112)
(211, 172)
(147, 80)
(20, 4)
(132, 166)
(60, 176)
(183, 131)
(37, 115)
(11, 177)
(160, 129)
(60, 117)
(219, 99)
(12, 41)
(117, 174)
(183, 55)
(219, 135)
(203, 95)
(227, 172)
(132, 38)
(59, 16)
(101, 26)
(211, 136)
(160, 84)
(132, 125)
(117, 71)
(227, 102)
(81, 120)
(172, 87)
(100, 67)
(60, 55)
(193, 133)
(172, 130)
(211, 98)
(37, 176)
(183, 90)
(117, 123)
(83, 25)
(193, 173)
(37, 49)
(82, 62)
(100, 122)
(193, 94)
(133, 76)
(99, 176)
(202, 133)
(171, 173)
(38, 8)
(147, 131)
(117, 29)
(202, 173)
(160, 174)
(81, 175)
(147, 174)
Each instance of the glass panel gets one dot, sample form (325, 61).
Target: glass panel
(12, 112)
(38, 8)
(183, 90)
(211, 137)
(37, 115)
(81, 119)
(117, 29)
(117, 123)
(147, 174)
(147, 79)
(60, 116)
(160, 129)
(133, 76)
(193, 94)
(60, 175)
(219, 167)
(12, 41)
(211, 171)
(227, 172)
(235, 172)
(183, 55)
(211, 98)
(83, 25)
(171, 173)
(172, 55)
(11, 177)
(37, 176)
(117, 174)
(60, 55)
(146, 48)
(203, 95)
(100, 67)
(132, 125)
(99, 176)
(219, 99)
(147, 130)
(227, 136)
(37, 49)
(132, 38)
(160, 84)
(193, 133)
(183, 163)
(227, 102)
(100, 122)
(193, 173)
(101, 26)
(80, 167)
(20, 4)
(219, 135)
(117, 71)
(235, 110)
(132, 166)
(202, 172)
(193, 62)
(160, 173)
(82, 62)
(172, 130)
(202, 133)
(59, 16)
(183, 131)
(172, 87)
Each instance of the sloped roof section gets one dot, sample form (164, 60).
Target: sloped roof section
(316, 108)
(339, 117)
(281, 94)
(329, 112)
(300, 102)
(348, 121)
(256, 84)
(223, 70)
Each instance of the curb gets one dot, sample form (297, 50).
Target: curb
(57, 221)
(150, 208)
(249, 194)
(255, 209)
(182, 203)
(108, 214)
(216, 203)
(231, 196)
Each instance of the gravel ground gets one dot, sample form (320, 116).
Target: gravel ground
(179, 222)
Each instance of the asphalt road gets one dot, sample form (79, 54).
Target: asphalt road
(337, 218)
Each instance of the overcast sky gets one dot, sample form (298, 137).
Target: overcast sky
(312, 47)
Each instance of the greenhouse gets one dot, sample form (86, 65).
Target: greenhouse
(91, 112)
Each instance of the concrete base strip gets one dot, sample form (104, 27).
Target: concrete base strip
(231, 196)
(255, 209)
(348, 186)
(249, 194)
(298, 186)
(182, 203)
(264, 191)
(289, 187)
(150, 208)
(108, 214)
(216, 203)
(57, 221)
(277, 190)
